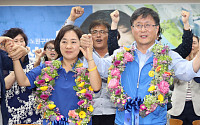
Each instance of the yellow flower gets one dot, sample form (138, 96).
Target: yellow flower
(51, 106)
(44, 88)
(81, 84)
(90, 108)
(127, 49)
(108, 80)
(82, 114)
(82, 91)
(45, 69)
(80, 65)
(79, 122)
(90, 88)
(160, 98)
(151, 88)
(39, 106)
(151, 73)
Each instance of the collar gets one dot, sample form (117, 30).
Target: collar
(106, 55)
(134, 44)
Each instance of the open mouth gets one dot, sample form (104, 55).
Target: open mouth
(99, 40)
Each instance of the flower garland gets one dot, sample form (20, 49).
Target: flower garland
(45, 83)
(159, 86)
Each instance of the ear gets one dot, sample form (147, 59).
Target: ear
(157, 29)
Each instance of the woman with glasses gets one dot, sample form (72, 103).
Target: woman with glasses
(49, 53)
(20, 100)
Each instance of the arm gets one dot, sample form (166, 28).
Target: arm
(185, 47)
(76, 12)
(113, 33)
(94, 76)
(9, 80)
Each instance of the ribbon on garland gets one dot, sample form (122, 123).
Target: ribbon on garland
(62, 121)
(132, 108)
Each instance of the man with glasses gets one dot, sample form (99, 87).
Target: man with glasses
(145, 25)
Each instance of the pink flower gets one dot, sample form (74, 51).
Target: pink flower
(88, 96)
(117, 62)
(143, 107)
(113, 83)
(79, 69)
(47, 62)
(115, 72)
(118, 92)
(41, 82)
(155, 61)
(118, 101)
(45, 97)
(124, 101)
(72, 113)
(164, 87)
(45, 76)
(147, 112)
(80, 102)
(128, 57)
(153, 107)
(163, 51)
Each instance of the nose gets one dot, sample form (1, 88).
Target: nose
(143, 28)
(69, 45)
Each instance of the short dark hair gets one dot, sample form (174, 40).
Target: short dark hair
(13, 32)
(144, 11)
(61, 34)
(196, 37)
(98, 23)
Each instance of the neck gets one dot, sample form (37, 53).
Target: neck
(68, 64)
(102, 52)
(143, 47)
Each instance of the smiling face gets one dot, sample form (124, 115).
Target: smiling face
(19, 40)
(145, 36)
(50, 52)
(100, 37)
(69, 45)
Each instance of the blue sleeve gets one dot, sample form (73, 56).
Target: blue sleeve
(33, 74)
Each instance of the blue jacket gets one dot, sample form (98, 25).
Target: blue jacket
(129, 80)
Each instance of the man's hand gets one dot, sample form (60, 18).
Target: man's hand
(115, 19)
(87, 46)
(185, 19)
(76, 12)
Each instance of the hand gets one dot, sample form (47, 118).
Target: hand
(87, 50)
(3, 40)
(76, 12)
(185, 19)
(115, 19)
(39, 53)
(115, 16)
(17, 52)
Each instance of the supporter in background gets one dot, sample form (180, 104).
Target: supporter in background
(20, 100)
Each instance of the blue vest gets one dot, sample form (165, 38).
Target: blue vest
(129, 79)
